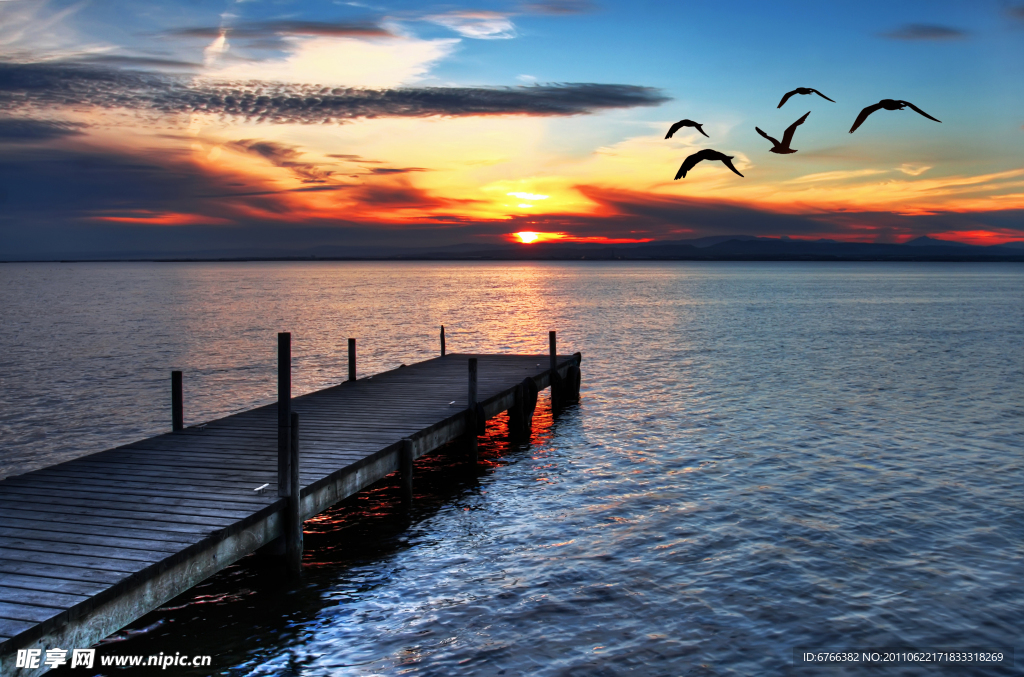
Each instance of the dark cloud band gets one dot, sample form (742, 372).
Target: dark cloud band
(67, 84)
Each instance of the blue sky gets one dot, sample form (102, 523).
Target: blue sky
(119, 133)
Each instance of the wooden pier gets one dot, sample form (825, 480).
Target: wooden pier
(90, 545)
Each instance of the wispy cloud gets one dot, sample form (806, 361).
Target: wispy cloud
(24, 130)
(47, 85)
(559, 6)
(397, 170)
(925, 32)
(836, 176)
(267, 29)
(284, 156)
(913, 170)
(477, 25)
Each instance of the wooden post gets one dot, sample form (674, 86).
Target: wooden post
(574, 379)
(405, 468)
(442, 341)
(284, 410)
(351, 359)
(177, 403)
(556, 390)
(517, 416)
(472, 424)
(293, 513)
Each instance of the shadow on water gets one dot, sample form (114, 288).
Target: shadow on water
(251, 610)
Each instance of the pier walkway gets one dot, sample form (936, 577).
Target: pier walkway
(90, 545)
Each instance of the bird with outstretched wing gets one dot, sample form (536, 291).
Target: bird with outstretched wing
(801, 90)
(787, 138)
(706, 154)
(684, 123)
(887, 104)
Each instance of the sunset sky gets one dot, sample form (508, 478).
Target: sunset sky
(186, 126)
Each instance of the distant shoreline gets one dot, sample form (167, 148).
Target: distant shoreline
(720, 248)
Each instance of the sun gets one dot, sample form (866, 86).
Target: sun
(526, 237)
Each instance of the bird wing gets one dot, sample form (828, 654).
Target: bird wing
(864, 116)
(688, 164)
(728, 163)
(822, 95)
(759, 131)
(673, 129)
(787, 138)
(786, 98)
(921, 111)
(701, 130)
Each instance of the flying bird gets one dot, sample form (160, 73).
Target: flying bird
(787, 138)
(801, 90)
(706, 154)
(887, 104)
(684, 123)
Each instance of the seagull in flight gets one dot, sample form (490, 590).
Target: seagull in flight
(706, 154)
(684, 123)
(787, 138)
(801, 90)
(887, 104)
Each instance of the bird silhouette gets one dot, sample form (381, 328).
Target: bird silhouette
(684, 123)
(787, 138)
(801, 90)
(706, 154)
(887, 104)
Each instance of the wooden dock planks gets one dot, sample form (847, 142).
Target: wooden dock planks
(89, 545)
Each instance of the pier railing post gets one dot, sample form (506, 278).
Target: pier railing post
(556, 381)
(284, 411)
(472, 424)
(351, 359)
(517, 415)
(405, 454)
(177, 403)
(293, 514)
(573, 378)
(442, 341)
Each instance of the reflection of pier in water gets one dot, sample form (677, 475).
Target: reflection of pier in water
(90, 545)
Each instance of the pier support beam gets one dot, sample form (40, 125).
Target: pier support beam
(573, 377)
(556, 379)
(351, 359)
(177, 403)
(405, 455)
(293, 514)
(472, 413)
(442, 341)
(284, 410)
(520, 415)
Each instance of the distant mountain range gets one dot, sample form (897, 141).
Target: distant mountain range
(717, 248)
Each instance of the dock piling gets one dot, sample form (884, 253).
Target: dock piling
(405, 468)
(517, 428)
(556, 380)
(472, 424)
(293, 515)
(442, 341)
(351, 359)
(284, 410)
(177, 403)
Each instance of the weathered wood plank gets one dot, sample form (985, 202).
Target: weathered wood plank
(26, 612)
(55, 600)
(71, 573)
(56, 586)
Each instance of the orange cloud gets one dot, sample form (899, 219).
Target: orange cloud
(165, 219)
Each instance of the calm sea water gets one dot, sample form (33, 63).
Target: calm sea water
(766, 456)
